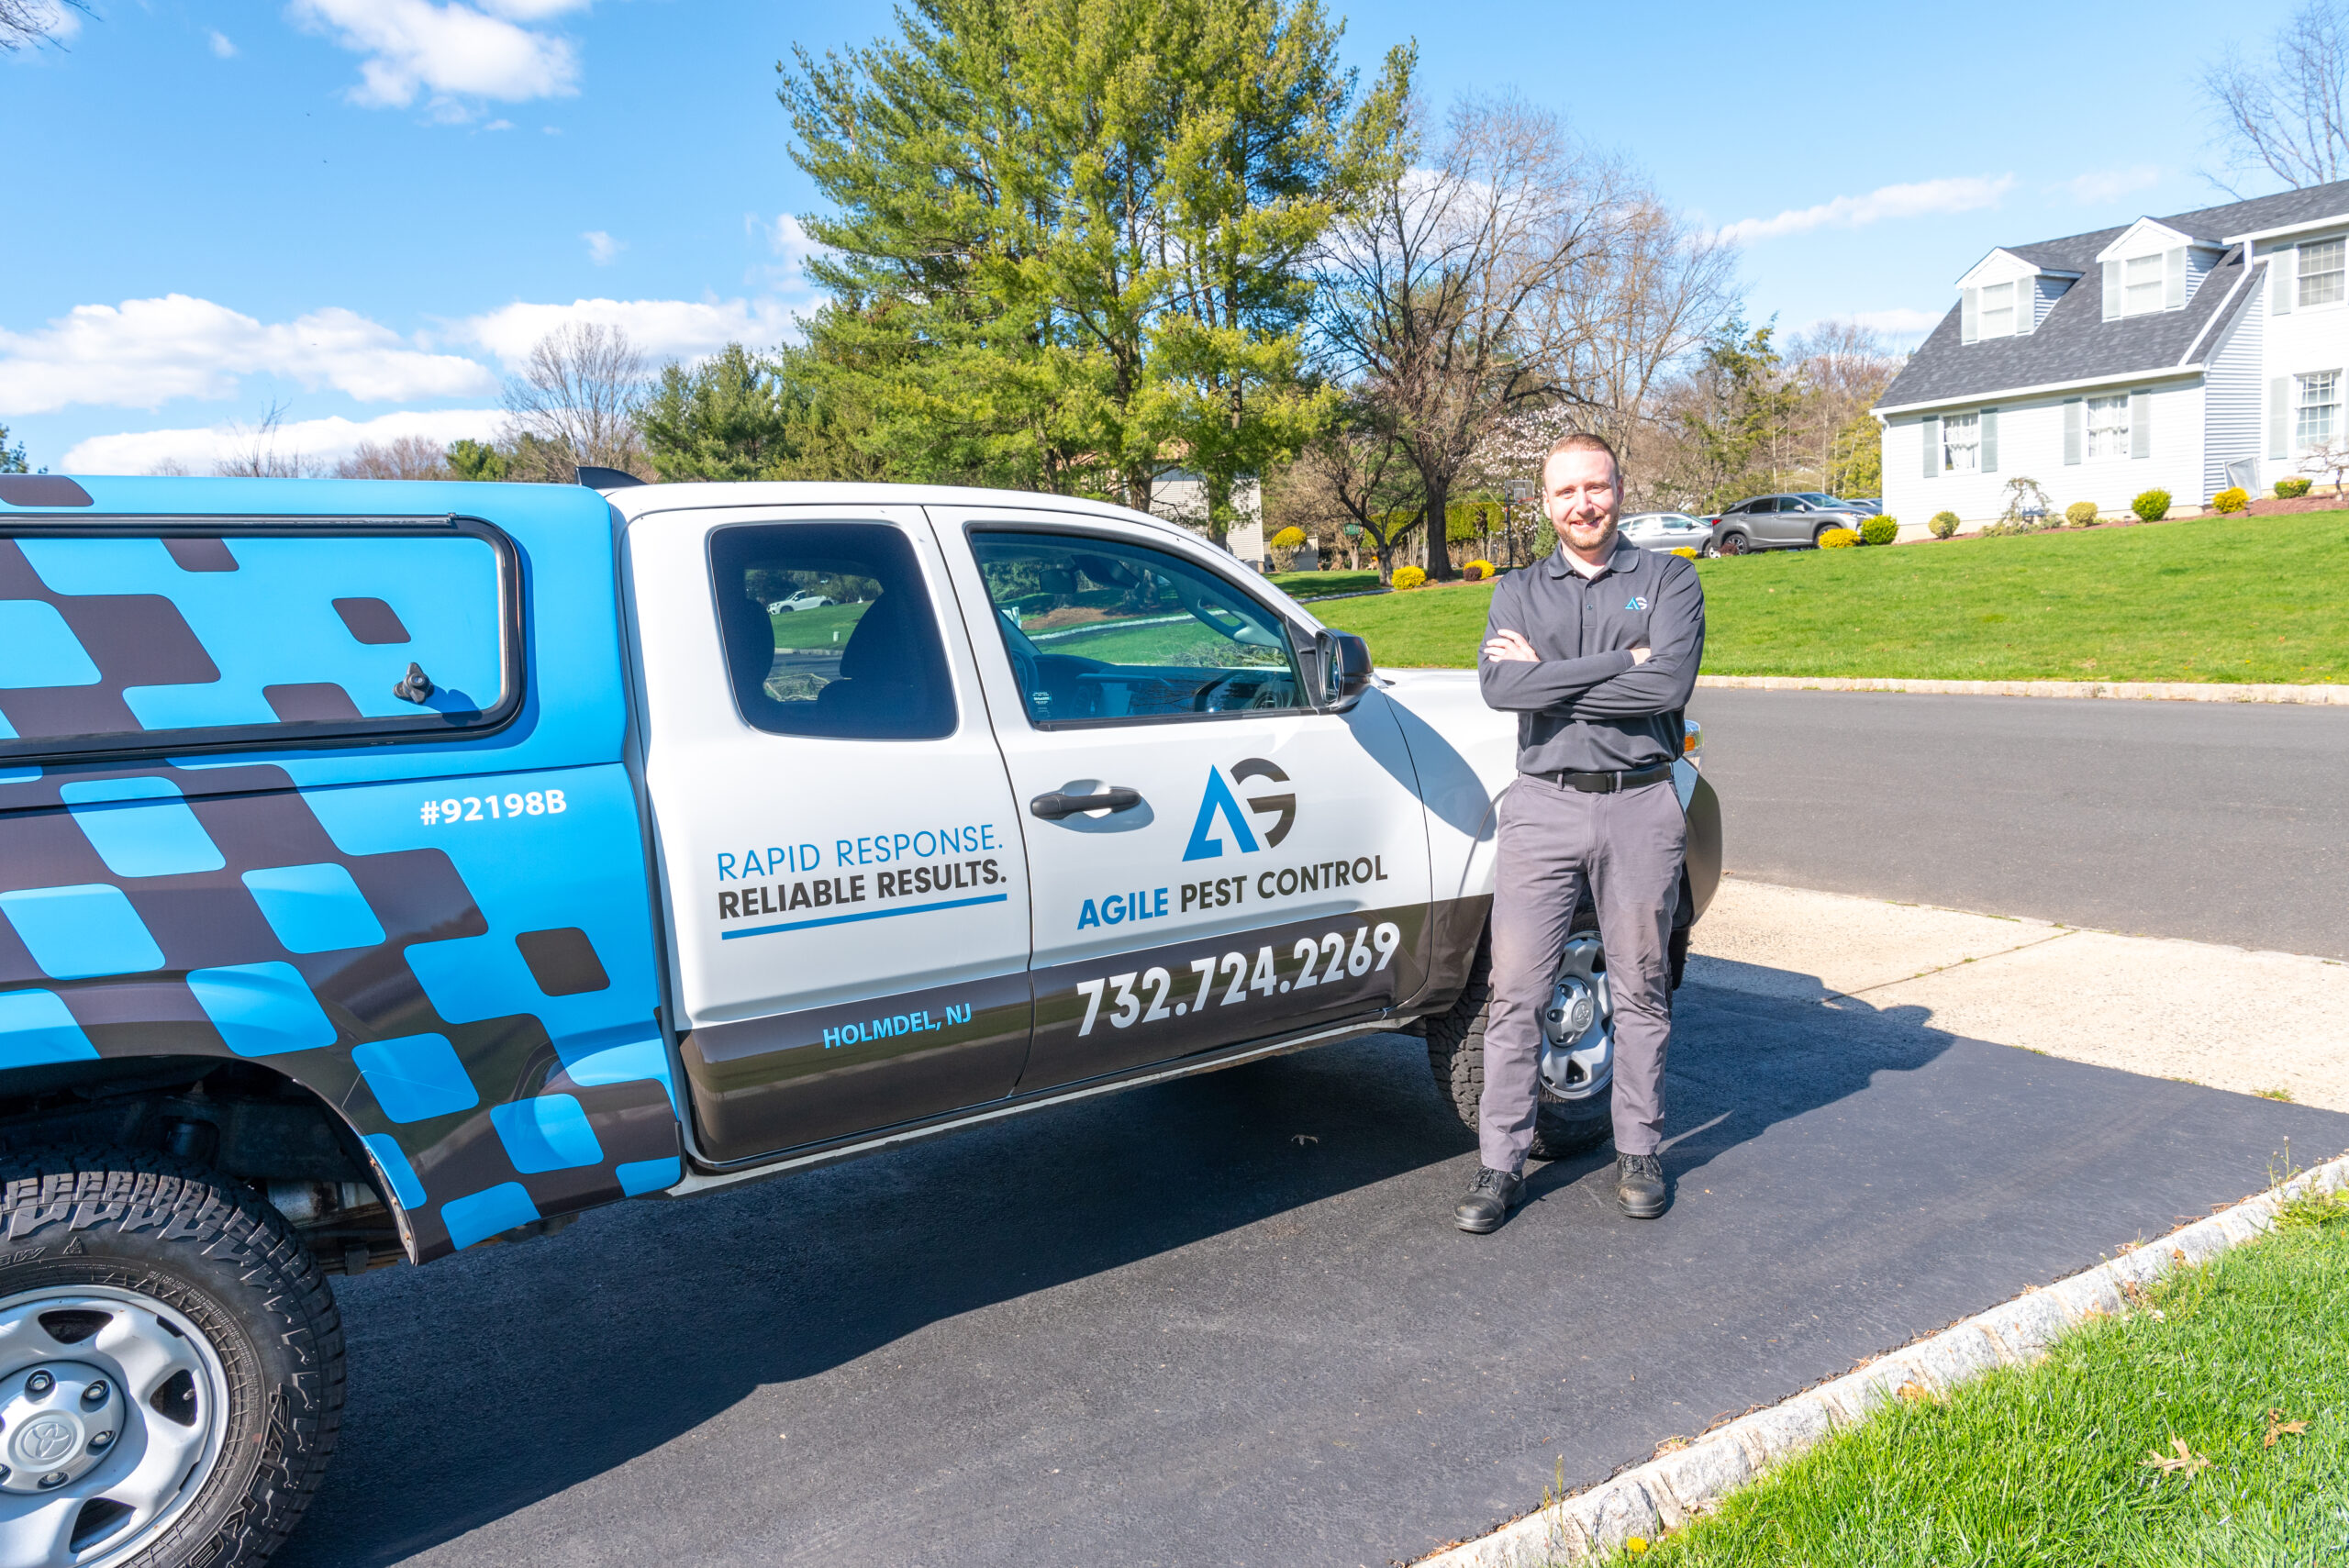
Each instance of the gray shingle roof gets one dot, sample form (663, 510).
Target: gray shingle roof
(2075, 342)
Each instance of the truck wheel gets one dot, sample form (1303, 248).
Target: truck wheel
(1456, 1055)
(171, 1365)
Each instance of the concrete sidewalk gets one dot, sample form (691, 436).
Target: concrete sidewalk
(2224, 1017)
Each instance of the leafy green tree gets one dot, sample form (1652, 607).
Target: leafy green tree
(476, 460)
(1066, 237)
(11, 459)
(728, 418)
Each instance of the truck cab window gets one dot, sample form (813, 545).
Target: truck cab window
(1102, 631)
(829, 631)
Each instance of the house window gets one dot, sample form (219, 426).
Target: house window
(1962, 443)
(1998, 311)
(2108, 427)
(2141, 283)
(2318, 418)
(2320, 272)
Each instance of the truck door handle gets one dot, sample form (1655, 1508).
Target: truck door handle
(1052, 805)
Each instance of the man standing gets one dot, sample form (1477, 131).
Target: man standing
(1596, 650)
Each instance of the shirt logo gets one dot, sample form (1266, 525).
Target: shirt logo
(1639, 602)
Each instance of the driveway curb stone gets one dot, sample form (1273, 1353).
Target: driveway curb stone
(1667, 1492)
(2335, 695)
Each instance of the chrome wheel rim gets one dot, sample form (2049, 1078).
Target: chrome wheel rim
(113, 1409)
(1578, 1024)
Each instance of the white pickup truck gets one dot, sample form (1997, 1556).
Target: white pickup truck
(386, 869)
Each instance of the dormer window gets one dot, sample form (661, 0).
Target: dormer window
(1998, 311)
(2321, 271)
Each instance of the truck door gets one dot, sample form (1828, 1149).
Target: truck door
(847, 910)
(1211, 859)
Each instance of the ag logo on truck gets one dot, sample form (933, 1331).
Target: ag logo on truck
(1219, 801)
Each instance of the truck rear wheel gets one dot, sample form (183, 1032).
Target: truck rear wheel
(1456, 1055)
(171, 1365)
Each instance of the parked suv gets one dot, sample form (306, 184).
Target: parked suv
(389, 869)
(1790, 521)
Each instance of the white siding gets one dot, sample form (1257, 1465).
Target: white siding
(2198, 264)
(2310, 338)
(2030, 441)
(2232, 406)
(2048, 291)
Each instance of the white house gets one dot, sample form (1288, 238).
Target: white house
(2181, 353)
(1181, 497)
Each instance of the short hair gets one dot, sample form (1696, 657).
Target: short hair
(1580, 441)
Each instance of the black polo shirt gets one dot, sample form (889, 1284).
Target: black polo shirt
(1585, 706)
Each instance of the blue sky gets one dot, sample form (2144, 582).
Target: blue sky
(366, 210)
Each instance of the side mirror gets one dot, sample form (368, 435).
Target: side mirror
(1346, 659)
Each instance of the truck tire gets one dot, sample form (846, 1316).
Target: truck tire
(1456, 1055)
(171, 1360)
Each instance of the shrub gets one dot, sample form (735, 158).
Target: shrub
(1408, 578)
(2027, 506)
(1478, 571)
(1881, 530)
(1838, 539)
(1689, 551)
(1285, 546)
(2080, 514)
(2234, 498)
(2152, 506)
(2292, 488)
(1943, 524)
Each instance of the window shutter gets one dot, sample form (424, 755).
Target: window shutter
(2111, 291)
(2141, 424)
(2279, 417)
(1969, 314)
(2174, 279)
(2026, 305)
(1931, 425)
(2286, 265)
(2075, 429)
(1989, 441)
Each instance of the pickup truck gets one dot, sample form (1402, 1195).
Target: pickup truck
(389, 869)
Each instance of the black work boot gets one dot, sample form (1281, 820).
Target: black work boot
(1491, 1197)
(1639, 1186)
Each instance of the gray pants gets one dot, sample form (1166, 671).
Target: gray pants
(1628, 847)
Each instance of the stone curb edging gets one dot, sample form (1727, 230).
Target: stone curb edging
(2127, 691)
(1667, 1492)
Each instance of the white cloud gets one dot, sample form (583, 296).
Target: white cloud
(449, 52)
(47, 20)
(221, 46)
(791, 246)
(602, 249)
(1965, 192)
(663, 328)
(499, 125)
(320, 440)
(2110, 184)
(144, 352)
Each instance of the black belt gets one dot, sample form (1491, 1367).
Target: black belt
(1607, 783)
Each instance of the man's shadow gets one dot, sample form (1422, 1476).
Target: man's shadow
(649, 1319)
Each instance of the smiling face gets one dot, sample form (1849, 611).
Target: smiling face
(1581, 495)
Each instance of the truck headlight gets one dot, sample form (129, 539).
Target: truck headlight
(1692, 743)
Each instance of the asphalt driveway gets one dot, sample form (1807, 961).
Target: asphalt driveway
(1227, 1322)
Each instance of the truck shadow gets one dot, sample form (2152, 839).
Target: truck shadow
(490, 1382)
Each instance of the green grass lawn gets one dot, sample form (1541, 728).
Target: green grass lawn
(1311, 584)
(2211, 599)
(2048, 1467)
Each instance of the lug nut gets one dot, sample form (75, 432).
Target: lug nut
(96, 1394)
(101, 1441)
(53, 1480)
(39, 1385)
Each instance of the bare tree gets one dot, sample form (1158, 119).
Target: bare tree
(1447, 296)
(1842, 369)
(260, 452)
(405, 457)
(574, 403)
(1354, 474)
(2291, 117)
(26, 22)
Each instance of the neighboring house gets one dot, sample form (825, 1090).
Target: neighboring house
(2181, 353)
(1181, 497)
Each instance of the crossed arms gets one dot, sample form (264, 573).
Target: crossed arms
(1622, 683)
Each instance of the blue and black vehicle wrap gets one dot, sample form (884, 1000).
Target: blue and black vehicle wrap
(312, 795)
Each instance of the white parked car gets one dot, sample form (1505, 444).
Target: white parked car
(802, 600)
(1666, 531)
